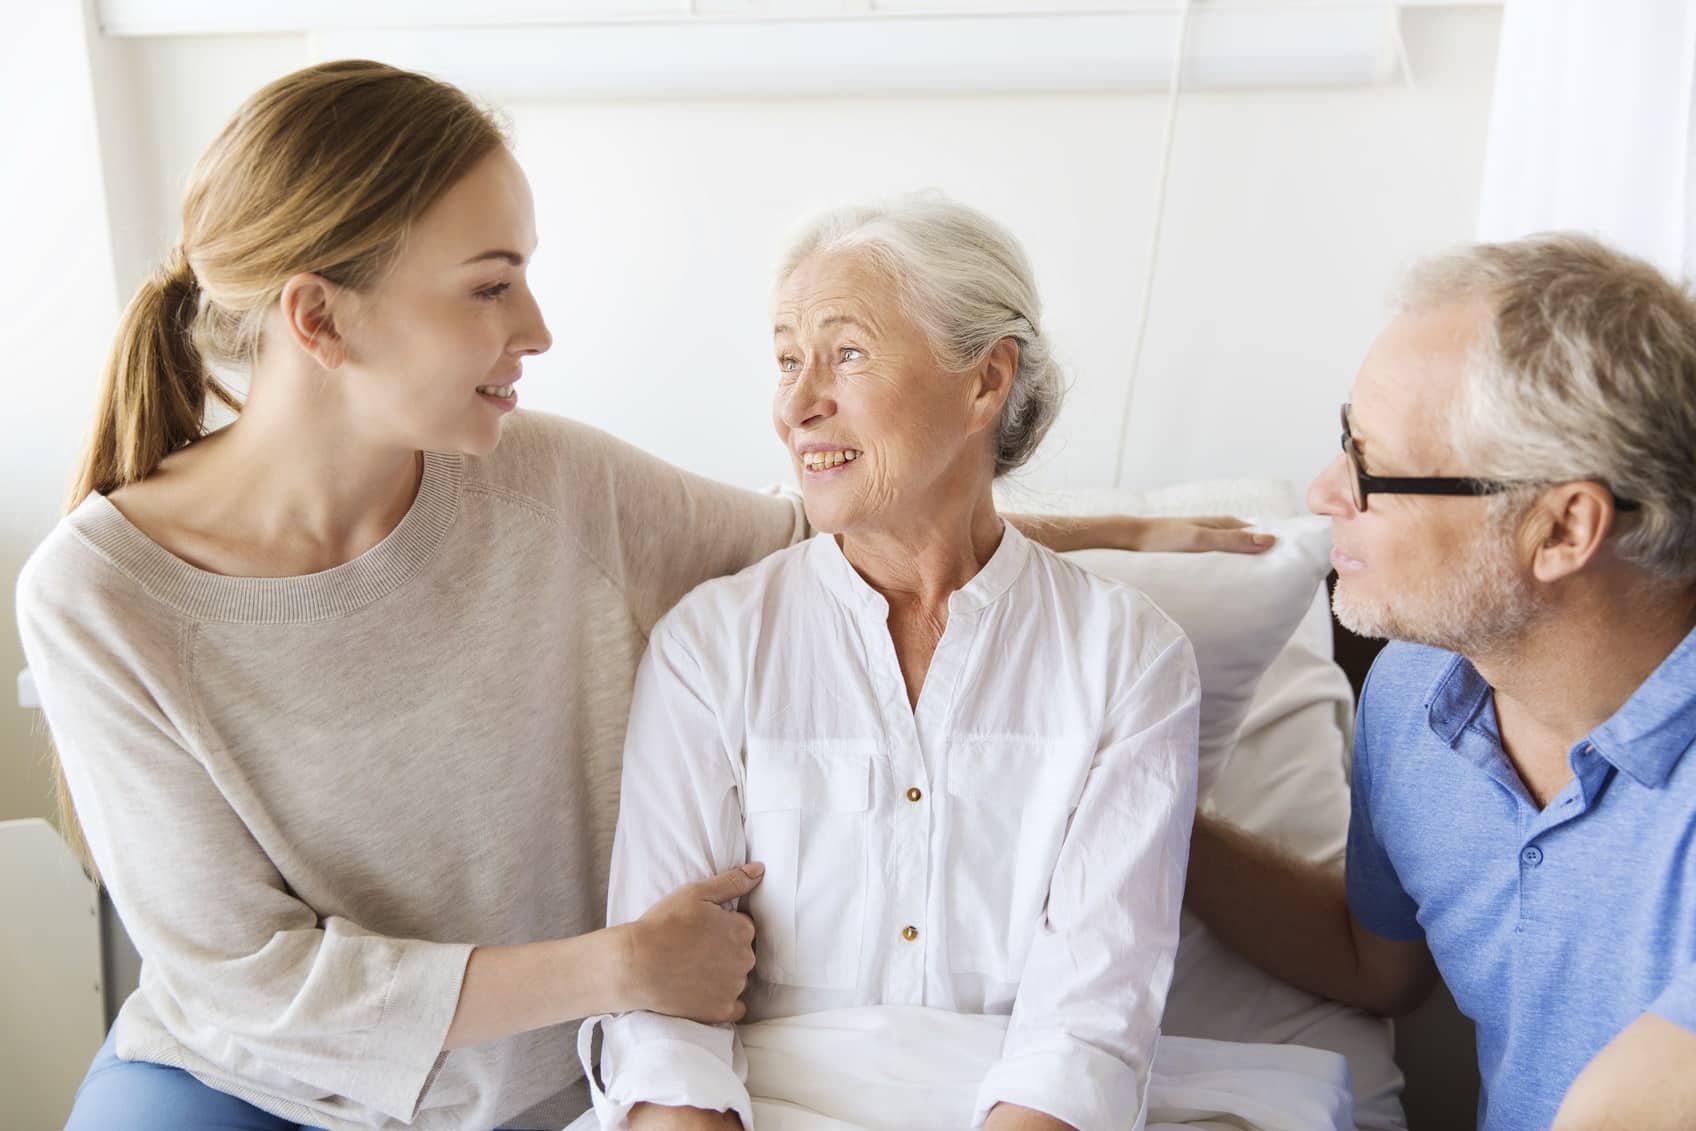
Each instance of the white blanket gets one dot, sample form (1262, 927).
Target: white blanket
(900, 1067)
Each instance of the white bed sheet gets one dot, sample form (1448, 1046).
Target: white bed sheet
(891, 1068)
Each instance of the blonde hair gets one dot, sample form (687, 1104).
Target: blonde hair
(324, 171)
(965, 280)
(1586, 370)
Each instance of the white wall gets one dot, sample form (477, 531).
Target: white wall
(57, 305)
(1289, 214)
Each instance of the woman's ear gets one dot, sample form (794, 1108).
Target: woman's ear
(307, 303)
(993, 383)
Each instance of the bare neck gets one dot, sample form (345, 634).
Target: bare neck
(1602, 637)
(293, 486)
(918, 564)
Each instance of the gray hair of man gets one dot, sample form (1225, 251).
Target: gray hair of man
(1586, 370)
(965, 281)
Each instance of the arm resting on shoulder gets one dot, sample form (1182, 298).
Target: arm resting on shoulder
(1061, 533)
(1292, 919)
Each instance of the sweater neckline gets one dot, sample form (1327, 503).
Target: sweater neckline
(334, 592)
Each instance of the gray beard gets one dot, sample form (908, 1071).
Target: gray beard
(1478, 609)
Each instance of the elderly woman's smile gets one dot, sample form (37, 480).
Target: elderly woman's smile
(821, 459)
(881, 430)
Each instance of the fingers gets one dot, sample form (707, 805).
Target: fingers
(729, 886)
(1234, 540)
(1222, 533)
(1198, 534)
(744, 932)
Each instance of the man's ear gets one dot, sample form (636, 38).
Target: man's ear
(1567, 527)
(308, 307)
(992, 382)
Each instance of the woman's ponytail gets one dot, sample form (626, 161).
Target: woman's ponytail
(153, 398)
(154, 391)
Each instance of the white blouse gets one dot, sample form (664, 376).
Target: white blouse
(1014, 844)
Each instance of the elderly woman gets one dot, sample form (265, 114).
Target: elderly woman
(967, 765)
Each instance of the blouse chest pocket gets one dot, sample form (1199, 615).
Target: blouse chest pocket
(805, 813)
(1009, 802)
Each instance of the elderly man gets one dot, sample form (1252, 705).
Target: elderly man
(1515, 505)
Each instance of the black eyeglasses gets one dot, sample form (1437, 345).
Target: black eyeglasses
(1365, 485)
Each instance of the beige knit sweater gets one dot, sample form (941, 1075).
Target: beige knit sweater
(311, 796)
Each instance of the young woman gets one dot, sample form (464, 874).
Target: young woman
(339, 690)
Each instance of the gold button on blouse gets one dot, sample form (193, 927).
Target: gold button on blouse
(909, 933)
(914, 794)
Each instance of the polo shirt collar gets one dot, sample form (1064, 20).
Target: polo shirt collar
(1647, 736)
(1644, 739)
(1455, 699)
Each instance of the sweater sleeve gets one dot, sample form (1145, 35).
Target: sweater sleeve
(239, 969)
(658, 530)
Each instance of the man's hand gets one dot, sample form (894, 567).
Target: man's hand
(1196, 535)
(689, 956)
(1061, 533)
(1643, 1080)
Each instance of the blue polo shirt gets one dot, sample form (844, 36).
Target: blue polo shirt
(1555, 928)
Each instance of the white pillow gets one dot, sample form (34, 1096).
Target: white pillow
(1289, 772)
(1286, 781)
(1239, 610)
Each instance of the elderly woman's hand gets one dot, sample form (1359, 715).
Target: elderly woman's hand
(1011, 1117)
(1061, 533)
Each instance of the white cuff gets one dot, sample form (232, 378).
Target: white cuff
(1070, 1080)
(678, 1066)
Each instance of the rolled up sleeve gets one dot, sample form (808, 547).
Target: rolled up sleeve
(1080, 1043)
(679, 822)
(1066, 1078)
(649, 1058)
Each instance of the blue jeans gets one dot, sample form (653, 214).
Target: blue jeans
(136, 1095)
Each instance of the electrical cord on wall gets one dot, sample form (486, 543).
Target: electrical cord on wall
(1165, 169)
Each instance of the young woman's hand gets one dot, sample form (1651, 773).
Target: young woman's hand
(689, 956)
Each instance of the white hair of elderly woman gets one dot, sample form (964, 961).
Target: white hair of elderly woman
(965, 281)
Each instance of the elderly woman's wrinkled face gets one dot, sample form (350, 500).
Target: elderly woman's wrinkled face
(880, 434)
